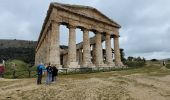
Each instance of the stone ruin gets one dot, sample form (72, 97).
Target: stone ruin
(89, 52)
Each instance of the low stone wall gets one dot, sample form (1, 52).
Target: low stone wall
(88, 70)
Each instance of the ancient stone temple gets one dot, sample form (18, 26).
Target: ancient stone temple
(88, 53)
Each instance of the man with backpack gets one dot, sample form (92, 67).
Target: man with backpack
(39, 73)
(49, 74)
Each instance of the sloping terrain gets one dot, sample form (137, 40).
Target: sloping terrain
(147, 83)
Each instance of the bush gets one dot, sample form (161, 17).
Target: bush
(154, 60)
(22, 69)
(168, 66)
(134, 64)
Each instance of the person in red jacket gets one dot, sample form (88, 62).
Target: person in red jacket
(2, 70)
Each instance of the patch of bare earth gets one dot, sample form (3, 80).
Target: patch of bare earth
(113, 87)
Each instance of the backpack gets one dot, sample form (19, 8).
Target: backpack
(49, 69)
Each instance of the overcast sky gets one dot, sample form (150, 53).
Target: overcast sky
(145, 24)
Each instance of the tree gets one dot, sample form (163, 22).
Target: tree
(154, 60)
(130, 58)
(122, 54)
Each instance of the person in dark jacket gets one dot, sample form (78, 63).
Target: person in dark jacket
(49, 74)
(54, 73)
(39, 73)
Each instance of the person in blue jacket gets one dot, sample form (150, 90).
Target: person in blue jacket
(40, 69)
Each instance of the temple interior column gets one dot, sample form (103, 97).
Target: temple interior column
(54, 47)
(71, 62)
(98, 50)
(93, 54)
(80, 56)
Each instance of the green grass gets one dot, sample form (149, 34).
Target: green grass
(150, 69)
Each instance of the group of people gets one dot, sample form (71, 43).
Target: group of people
(51, 73)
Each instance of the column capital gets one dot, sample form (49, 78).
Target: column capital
(85, 29)
(116, 32)
(108, 35)
(71, 26)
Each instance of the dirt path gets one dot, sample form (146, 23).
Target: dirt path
(114, 87)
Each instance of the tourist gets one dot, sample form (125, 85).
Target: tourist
(164, 64)
(40, 69)
(49, 74)
(54, 73)
(2, 70)
(14, 70)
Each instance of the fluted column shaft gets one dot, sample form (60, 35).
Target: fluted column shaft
(86, 48)
(54, 47)
(71, 62)
(108, 49)
(48, 45)
(117, 51)
(98, 49)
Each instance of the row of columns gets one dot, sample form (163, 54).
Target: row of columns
(53, 48)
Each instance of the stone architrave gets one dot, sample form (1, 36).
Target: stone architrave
(98, 50)
(71, 62)
(109, 60)
(54, 45)
(86, 49)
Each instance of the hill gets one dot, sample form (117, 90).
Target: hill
(4, 43)
(17, 49)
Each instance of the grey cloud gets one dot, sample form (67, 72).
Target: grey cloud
(145, 23)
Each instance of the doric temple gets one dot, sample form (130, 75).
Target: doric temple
(88, 53)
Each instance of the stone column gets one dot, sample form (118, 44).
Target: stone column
(93, 54)
(98, 50)
(109, 60)
(46, 48)
(86, 49)
(54, 45)
(118, 62)
(71, 62)
(80, 56)
(48, 45)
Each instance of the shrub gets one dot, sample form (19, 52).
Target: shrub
(134, 64)
(168, 66)
(22, 69)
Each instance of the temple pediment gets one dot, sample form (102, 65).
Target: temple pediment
(86, 11)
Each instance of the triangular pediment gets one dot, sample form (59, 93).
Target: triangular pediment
(88, 12)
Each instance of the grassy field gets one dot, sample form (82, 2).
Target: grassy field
(151, 82)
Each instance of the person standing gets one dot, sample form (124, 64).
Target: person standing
(14, 70)
(2, 70)
(49, 74)
(164, 64)
(39, 73)
(54, 73)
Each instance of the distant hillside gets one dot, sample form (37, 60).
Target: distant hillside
(17, 49)
(17, 44)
